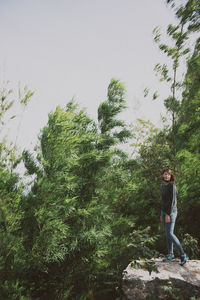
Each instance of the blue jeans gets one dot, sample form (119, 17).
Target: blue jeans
(170, 236)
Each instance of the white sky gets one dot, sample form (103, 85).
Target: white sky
(72, 48)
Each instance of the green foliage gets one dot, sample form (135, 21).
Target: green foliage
(71, 224)
(8, 105)
(191, 246)
(187, 140)
(24, 95)
(176, 293)
(112, 129)
(69, 218)
(13, 291)
(5, 103)
(146, 92)
(172, 105)
(141, 244)
(142, 134)
(163, 71)
(12, 254)
(176, 51)
(171, 292)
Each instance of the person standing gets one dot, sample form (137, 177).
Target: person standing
(169, 214)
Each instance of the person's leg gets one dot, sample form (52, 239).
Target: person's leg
(170, 232)
(171, 238)
(170, 229)
(168, 240)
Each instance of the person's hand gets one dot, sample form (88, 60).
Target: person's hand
(167, 219)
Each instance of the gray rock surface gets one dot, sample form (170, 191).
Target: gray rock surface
(169, 281)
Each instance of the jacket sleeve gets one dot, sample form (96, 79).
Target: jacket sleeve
(168, 201)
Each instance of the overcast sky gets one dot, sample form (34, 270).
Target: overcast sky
(72, 48)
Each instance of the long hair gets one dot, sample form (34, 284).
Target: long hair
(172, 179)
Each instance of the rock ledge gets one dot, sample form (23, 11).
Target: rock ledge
(169, 279)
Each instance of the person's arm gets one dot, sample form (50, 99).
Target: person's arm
(168, 203)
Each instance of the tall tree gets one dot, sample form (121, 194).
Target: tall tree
(70, 222)
(188, 137)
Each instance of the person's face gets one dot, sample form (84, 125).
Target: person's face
(166, 176)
